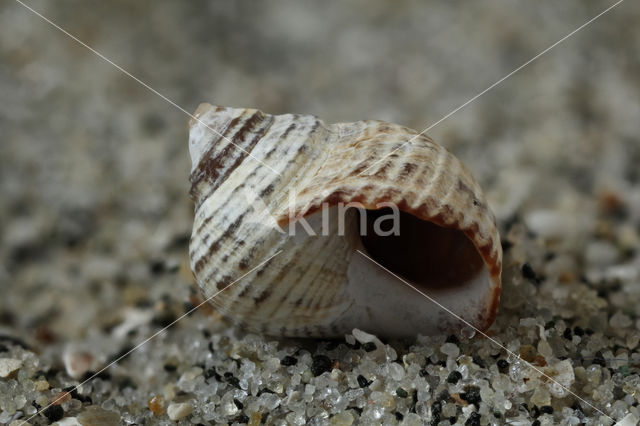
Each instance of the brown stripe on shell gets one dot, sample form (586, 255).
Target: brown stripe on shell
(262, 297)
(210, 166)
(203, 169)
(211, 249)
(289, 129)
(216, 244)
(224, 282)
(244, 263)
(407, 170)
(268, 189)
(244, 292)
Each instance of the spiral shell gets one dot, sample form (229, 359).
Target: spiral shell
(261, 182)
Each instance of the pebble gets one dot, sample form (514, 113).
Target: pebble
(177, 411)
(412, 419)
(528, 272)
(350, 339)
(363, 337)
(396, 371)
(60, 398)
(599, 253)
(133, 319)
(41, 385)
(540, 397)
(76, 363)
(471, 394)
(473, 420)
(227, 405)
(376, 351)
(288, 361)
(628, 420)
(633, 338)
(552, 223)
(19, 423)
(402, 393)
(528, 353)
(54, 413)
(450, 349)
(384, 399)
(42, 400)
(255, 419)
(449, 410)
(320, 364)
(8, 366)
(562, 373)
(68, 421)
(156, 405)
(369, 347)
(95, 415)
(546, 409)
(454, 377)
(362, 381)
(342, 419)
(620, 320)
(269, 401)
(544, 349)
(169, 391)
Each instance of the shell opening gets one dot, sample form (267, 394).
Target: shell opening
(427, 255)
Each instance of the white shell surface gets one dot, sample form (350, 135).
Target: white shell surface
(258, 174)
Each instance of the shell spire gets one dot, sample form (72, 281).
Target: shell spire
(319, 194)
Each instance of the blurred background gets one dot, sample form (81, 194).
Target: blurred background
(94, 212)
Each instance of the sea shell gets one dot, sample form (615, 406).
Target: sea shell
(263, 184)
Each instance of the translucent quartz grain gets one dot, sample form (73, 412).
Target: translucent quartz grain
(269, 401)
(449, 410)
(540, 397)
(342, 419)
(412, 419)
(450, 349)
(296, 418)
(5, 416)
(620, 321)
(396, 371)
(20, 401)
(178, 411)
(384, 399)
(227, 405)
